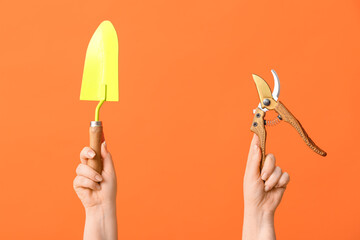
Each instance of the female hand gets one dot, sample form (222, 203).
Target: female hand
(262, 193)
(92, 188)
(98, 195)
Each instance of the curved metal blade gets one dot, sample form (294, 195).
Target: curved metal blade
(276, 91)
(264, 93)
(262, 87)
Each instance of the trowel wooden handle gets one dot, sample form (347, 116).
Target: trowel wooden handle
(288, 117)
(258, 128)
(96, 134)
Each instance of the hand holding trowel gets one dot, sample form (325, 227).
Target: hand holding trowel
(100, 81)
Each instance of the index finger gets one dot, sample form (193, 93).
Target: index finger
(254, 158)
(86, 154)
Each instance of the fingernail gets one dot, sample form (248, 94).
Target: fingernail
(267, 188)
(105, 145)
(264, 176)
(91, 154)
(98, 178)
(256, 147)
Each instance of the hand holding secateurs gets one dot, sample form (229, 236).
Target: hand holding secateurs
(269, 101)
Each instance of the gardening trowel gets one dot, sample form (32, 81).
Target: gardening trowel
(100, 81)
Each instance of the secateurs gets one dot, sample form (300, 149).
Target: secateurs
(269, 101)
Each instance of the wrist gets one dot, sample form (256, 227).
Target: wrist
(100, 210)
(260, 215)
(258, 224)
(101, 222)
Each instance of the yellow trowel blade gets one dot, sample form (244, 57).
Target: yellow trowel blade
(100, 77)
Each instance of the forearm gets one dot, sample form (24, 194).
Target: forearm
(101, 223)
(258, 225)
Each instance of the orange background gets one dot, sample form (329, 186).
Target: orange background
(180, 133)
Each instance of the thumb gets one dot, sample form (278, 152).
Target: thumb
(108, 165)
(254, 158)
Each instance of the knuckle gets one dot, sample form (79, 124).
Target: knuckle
(88, 171)
(78, 169)
(287, 177)
(269, 164)
(93, 185)
(272, 157)
(284, 180)
(82, 181)
(75, 182)
(94, 176)
(83, 152)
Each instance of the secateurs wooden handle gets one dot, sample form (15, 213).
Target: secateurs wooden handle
(269, 101)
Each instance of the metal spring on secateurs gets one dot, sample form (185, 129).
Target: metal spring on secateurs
(273, 122)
